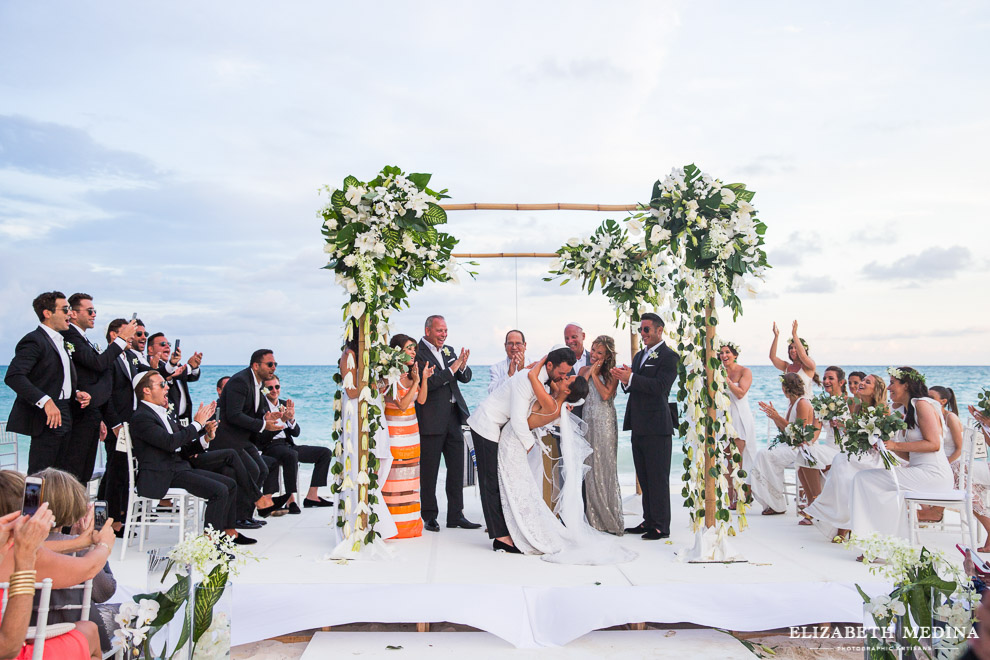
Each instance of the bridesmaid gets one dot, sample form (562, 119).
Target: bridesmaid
(826, 449)
(401, 490)
(603, 502)
(953, 445)
(979, 489)
(855, 378)
(739, 380)
(800, 362)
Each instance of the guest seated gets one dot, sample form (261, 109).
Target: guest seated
(157, 437)
(280, 446)
(29, 563)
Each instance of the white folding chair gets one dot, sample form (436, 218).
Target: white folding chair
(9, 452)
(142, 513)
(42, 631)
(959, 499)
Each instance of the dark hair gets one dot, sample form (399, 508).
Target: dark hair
(152, 338)
(578, 389)
(221, 382)
(77, 298)
(949, 396)
(114, 327)
(430, 319)
(841, 375)
(858, 374)
(792, 384)
(916, 390)
(650, 316)
(46, 301)
(561, 355)
(732, 349)
(352, 343)
(143, 382)
(259, 355)
(520, 334)
(400, 340)
(139, 322)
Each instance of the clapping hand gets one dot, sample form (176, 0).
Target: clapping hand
(776, 332)
(461, 360)
(623, 373)
(768, 409)
(428, 370)
(205, 412)
(273, 421)
(6, 529)
(195, 360)
(289, 414)
(211, 430)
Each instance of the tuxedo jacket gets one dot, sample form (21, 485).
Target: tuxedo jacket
(34, 371)
(266, 438)
(120, 407)
(92, 366)
(155, 445)
(647, 412)
(434, 415)
(240, 420)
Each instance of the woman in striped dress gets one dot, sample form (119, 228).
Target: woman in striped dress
(401, 491)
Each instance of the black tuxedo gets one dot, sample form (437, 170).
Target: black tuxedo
(160, 466)
(93, 366)
(36, 371)
(289, 455)
(241, 421)
(228, 463)
(119, 409)
(440, 433)
(648, 417)
(178, 387)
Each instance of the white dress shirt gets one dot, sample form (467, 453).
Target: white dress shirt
(439, 356)
(59, 342)
(646, 356)
(274, 408)
(163, 414)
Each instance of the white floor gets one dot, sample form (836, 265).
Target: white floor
(794, 576)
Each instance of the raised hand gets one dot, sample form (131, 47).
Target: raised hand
(289, 414)
(623, 373)
(30, 533)
(204, 413)
(176, 356)
(776, 332)
(428, 370)
(794, 331)
(127, 331)
(195, 360)
(414, 373)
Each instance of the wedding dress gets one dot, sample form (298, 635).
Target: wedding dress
(534, 528)
(768, 472)
(876, 502)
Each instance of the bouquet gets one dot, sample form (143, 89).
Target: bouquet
(983, 402)
(871, 427)
(828, 407)
(796, 435)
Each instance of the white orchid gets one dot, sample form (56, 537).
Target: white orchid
(354, 194)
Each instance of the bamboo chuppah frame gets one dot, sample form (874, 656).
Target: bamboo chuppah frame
(710, 485)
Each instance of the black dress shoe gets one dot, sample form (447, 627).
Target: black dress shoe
(319, 501)
(246, 524)
(655, 535)
(463, 523)
(638, 529)
(294, 508)
(280, 500)
(431, 526)
(240, 539)
(260, 522)
(499, 546)
(265, 511)
(119, 533)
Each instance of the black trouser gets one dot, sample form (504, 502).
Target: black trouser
(220, 493)
(228, 463)
(113, 485)
(651, 456)
(289, 457)
(486, 454)
(450, 445)
(46, 446)
(77, 455)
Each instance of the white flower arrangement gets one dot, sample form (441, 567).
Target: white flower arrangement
(903, 375)
(134, 622)
(828, 407)
(70, 348)
(206, 551)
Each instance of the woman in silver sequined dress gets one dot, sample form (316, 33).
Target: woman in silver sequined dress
(603, 502)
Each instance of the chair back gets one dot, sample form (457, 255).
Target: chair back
(125, 436)
(38, 635)
(966, 481)
(9, 452)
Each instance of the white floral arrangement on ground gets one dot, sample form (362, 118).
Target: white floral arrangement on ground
(828, 407)
(919, 575)
(869, 428)
(383, 244)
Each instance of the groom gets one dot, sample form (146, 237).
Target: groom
(648, 384)
(512, 401)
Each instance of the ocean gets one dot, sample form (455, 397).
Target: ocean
(312, 389)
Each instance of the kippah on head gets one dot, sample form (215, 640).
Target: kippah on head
(576, 325)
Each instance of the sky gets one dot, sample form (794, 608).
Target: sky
(167, 159)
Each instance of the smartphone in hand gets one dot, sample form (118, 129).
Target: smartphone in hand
(99, 514)
(34, 490)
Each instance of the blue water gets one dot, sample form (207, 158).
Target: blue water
(312, 389)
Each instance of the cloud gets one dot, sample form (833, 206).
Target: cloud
(822, 284)
(935, 263)
(768, 164)
(576, 70)
(799, 245)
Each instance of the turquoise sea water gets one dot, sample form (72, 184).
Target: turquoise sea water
(312, 389)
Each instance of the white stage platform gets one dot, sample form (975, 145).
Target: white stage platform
(794, 577)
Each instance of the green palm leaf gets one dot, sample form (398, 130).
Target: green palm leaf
(435, 215)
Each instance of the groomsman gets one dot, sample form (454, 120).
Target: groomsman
(178, 375)
(648, 416)
(515, 360)
(136, 353)
(440, 422)
(574, 339)
(42, 376)
(96, 378)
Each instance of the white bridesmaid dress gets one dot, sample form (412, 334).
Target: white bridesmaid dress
(877, 503)
(745, 426)
(768, 472)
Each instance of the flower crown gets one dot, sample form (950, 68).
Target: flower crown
(803, 343)
(733, 346)
(902, 375)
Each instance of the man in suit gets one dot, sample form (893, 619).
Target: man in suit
(178, 375)
(513, 401)
(157, 437)
(136, 351)
(281, 446)
(43, 377)
(648, 384)
(95, 377)
(440, 420)
(243, 414)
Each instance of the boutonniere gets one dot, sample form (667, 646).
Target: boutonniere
(265, 391)
(447, 351)
(134, 361)
(171, 408)
(69, 348)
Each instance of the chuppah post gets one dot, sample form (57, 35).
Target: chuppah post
(364, 341)
(710, 444)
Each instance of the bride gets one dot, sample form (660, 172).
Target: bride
(534, 528)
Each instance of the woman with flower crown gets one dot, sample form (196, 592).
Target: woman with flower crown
(768, 473)
(739, 379)
(876, 504)
(800, 361)
(830, 511)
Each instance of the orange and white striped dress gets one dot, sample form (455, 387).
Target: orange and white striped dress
(401, 490)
